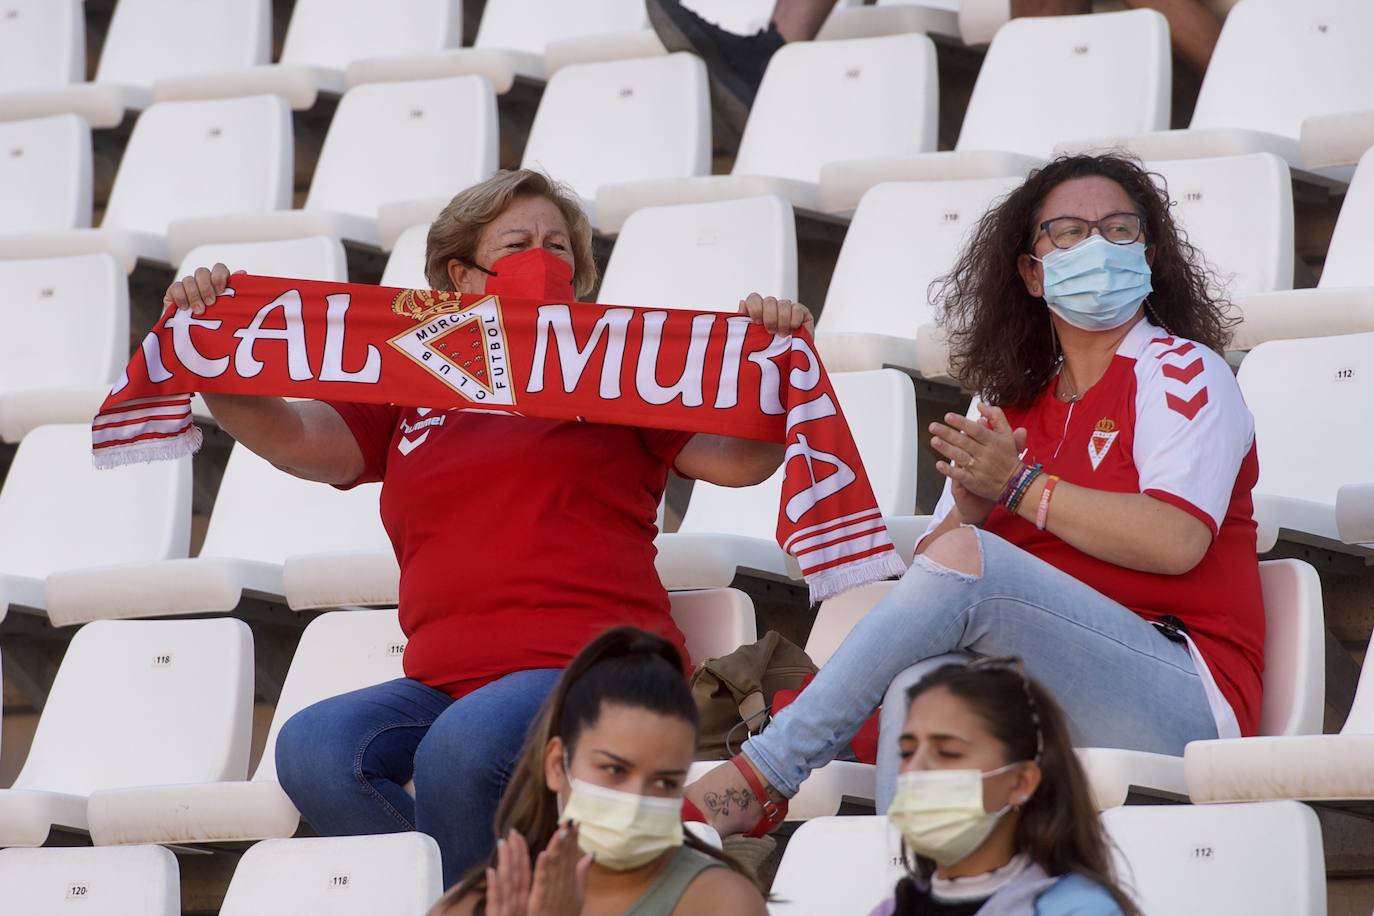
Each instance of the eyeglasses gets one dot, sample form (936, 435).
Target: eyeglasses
(1117, 228)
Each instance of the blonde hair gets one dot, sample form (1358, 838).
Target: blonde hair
(459, 225)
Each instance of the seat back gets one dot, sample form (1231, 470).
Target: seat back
(1294, 649)
(150, 40)
(713, 621)
(58, 512)
(45, 173)
(1360, 721)
(704, 256)
(42, 44)
(745, 17)
(838, 865)
(93, 347)
(1262, 859)
(837, 616)
(904, 235)
(339, 651)
(109, 880)
(1237, 211)
(391, 142)
(880, 406)
(623, 120)
(1347, 258)
(1277, 63)
(1327, 383)
(146, 703)
(405, 267)
(529, 25)
(315, 258)
(334, 33)
(883, 90)
(1057, 78)
(262, 513)
(191, 159)
(396, 874)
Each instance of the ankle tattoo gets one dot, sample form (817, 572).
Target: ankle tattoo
(722, 803)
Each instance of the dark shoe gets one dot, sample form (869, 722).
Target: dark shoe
(735, 63)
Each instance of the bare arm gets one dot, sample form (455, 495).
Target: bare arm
(727, 461)
(304, 438)
(721, 890)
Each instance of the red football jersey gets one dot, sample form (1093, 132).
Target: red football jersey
(519, 539)
(1168, 420)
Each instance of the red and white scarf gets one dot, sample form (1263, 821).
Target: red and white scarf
(706, 372)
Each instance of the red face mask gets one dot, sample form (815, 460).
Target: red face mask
(534, 273)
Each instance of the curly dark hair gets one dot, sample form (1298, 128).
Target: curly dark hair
(1001, 342)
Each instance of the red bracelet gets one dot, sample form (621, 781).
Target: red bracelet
(1042, 514)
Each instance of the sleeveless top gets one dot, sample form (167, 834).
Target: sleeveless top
(663, 895)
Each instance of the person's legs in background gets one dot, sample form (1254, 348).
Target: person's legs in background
(736, 63)
(465, 760)
(344, 761)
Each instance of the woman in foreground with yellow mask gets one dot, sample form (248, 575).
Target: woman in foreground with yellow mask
(592, 819)
(993, 804)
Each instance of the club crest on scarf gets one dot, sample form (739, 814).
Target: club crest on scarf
(465, 348)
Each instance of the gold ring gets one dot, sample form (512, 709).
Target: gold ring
(971, 462)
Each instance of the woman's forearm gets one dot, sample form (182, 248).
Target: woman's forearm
(304, 438)
(1128, 529)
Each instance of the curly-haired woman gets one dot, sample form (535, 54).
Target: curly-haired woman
(1097, 519)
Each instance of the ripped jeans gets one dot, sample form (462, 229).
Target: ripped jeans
(1120, 681)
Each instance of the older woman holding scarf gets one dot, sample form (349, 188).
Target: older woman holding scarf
(567, 509)
(1097, 519)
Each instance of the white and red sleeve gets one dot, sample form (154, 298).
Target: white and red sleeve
(1192, 429)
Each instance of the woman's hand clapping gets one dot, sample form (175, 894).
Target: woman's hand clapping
(981, 457)
(559, 881)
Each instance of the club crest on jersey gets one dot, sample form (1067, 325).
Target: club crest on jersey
(1100, 442)
(465, 348)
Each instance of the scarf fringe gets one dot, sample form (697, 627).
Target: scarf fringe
(182, 445)
(837, 580)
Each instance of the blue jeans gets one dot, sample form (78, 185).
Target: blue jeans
(344, 760)
(1120, 681)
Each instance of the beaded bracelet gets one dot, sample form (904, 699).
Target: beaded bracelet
(1022, 485)
(1012, 483)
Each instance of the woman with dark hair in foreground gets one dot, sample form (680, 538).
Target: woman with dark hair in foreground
(1097, 519)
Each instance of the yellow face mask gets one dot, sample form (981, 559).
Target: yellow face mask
(623, 830)
(940, 812)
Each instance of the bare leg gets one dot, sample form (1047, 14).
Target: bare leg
(1193, 29)
(800, 20)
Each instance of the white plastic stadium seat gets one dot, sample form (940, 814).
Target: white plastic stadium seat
(714, 621)
(1260, 859)
(1276, 63)
(338, 652)
(1044, 80)
(183, 160)
(883, 90)
(48, 377)
(45, 174)
(704, 256)
(1343, 301)
(147, 702)
(513, 37)
(262, 515)
(405, 267)
(42, 44)
(58, 512)
(838, 865)
(387, 143)
(322, 39)
(1310, 767)
(652, 120)
(1328, 383)
(902, 237)
(148, 40)
(396, 874)
(138, 881)
(1333, 143)
(315, 257)
(726, 529)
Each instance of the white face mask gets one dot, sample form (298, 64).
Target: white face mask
(622, 829)
(940, 812)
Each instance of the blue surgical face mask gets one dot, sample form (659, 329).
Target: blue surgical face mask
(1095, 285)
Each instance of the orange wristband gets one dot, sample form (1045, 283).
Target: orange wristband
(1042, 514)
